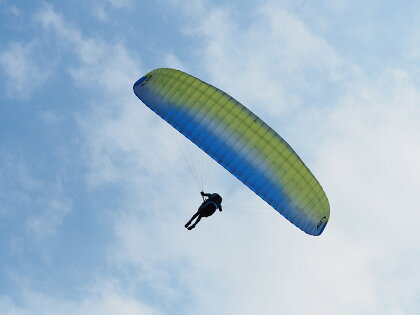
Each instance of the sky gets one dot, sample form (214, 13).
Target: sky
(95, 188)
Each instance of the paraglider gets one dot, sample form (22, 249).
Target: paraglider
(207, 208)
(239, 141)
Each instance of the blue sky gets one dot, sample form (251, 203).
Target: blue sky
(94, 192)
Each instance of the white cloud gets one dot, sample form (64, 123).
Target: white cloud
(101, 299)
(374, 132)
(51, 118)
(172, 61)
(36, 206)
(103, 9)
(107, 70)
(24, 74)
(413, 51)
(14, 10)
(275, 64)
(108, 67)
(365, 154)
(120, 3)
(369, 166)
(46, 221)
(10, 8)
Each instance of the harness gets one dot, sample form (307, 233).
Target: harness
(211, 202)
(208, 202)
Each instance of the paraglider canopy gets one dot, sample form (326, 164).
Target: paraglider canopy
(239, 141)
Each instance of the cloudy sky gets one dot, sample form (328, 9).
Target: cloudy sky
(95, 188)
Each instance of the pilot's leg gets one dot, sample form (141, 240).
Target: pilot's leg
(193, 226)
(193, 217)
